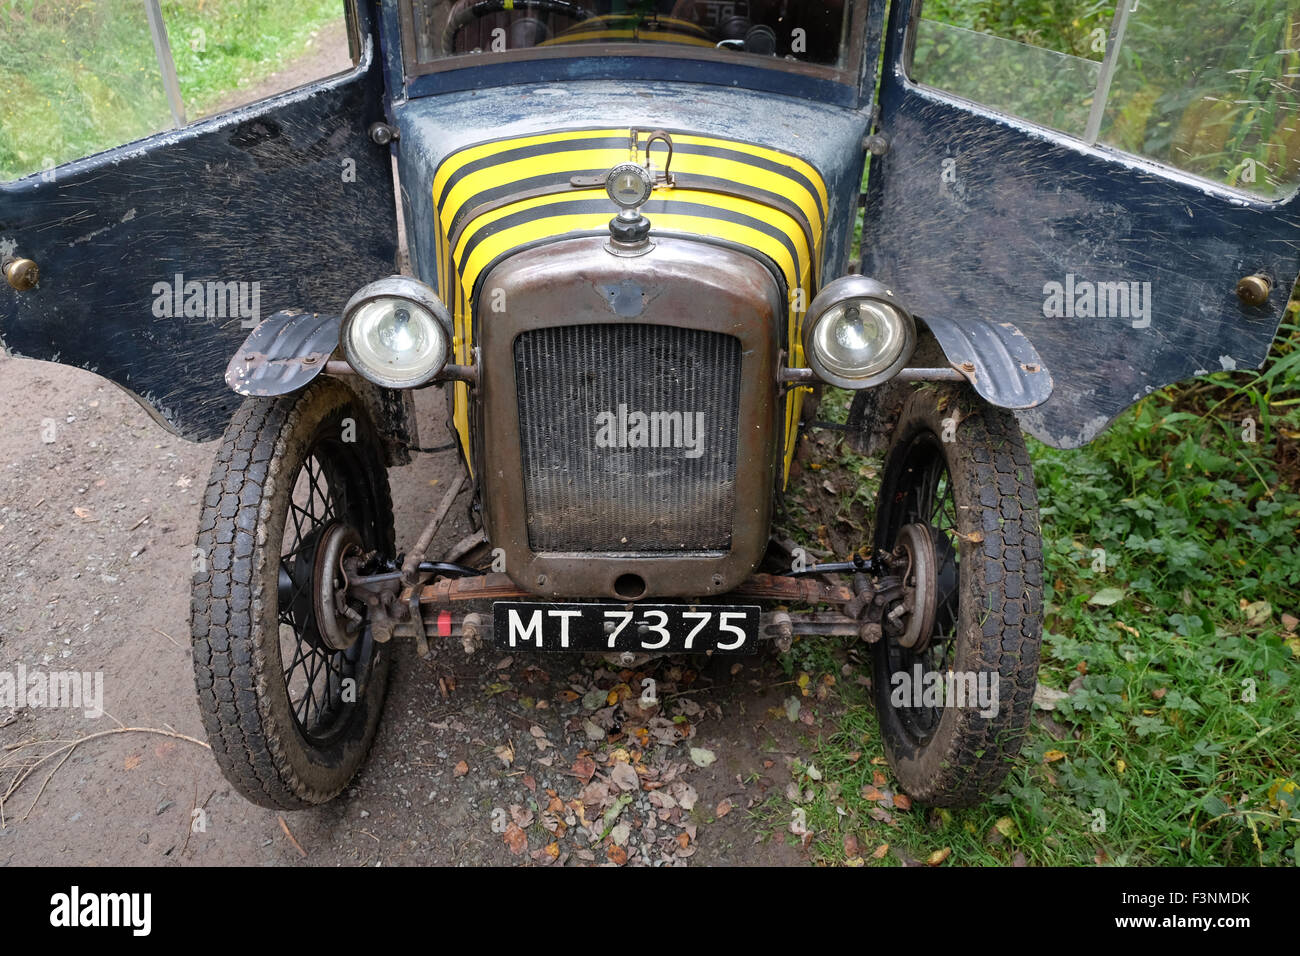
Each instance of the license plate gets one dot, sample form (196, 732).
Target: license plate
(660, 628)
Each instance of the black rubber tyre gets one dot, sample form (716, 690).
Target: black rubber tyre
(284, 472)
(977, 491)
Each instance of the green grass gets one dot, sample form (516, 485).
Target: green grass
(80, 76)
(1160, 654)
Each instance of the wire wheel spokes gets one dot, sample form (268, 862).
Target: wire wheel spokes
(321, 682)
(924, 495)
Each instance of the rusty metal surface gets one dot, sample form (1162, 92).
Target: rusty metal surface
(759, 587)
(996, 358)
(487, 587)
(411, 564)
(283, 354)
(680, 283)
(772, 587)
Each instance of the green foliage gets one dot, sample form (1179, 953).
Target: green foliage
(80, 76)
(1218, 99)
(1173, 575)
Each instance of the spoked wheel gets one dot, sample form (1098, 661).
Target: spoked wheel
(955, 670)
(290, 681)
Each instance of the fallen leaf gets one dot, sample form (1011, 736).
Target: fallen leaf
(584, 768)
(516, 839)
(523, 816)
(1007, 827)
(902, 801)
(1053, 755)
(460, 769)
(878, 778)
(880, 852)
(132, 762)
(938, 856)
(616, 854)
(1257, 613)
(505, 753)
(724, 807)
(624, 777)
(702, 757)
(83, 513)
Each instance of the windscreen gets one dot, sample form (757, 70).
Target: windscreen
(771, 32)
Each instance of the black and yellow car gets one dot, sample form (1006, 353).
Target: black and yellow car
(634, 272)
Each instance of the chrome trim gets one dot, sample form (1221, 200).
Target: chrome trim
(856, 287)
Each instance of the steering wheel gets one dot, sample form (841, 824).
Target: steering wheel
(465, 15)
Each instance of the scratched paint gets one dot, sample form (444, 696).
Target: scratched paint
(1022, 208)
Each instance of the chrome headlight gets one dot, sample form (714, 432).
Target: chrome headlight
(396, 332)
(856, 335)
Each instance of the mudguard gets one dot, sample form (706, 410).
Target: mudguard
(283, 354)
(996, 358)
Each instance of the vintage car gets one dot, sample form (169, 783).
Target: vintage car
(631, 230)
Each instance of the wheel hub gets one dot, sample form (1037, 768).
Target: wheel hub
(914, 616)
(338, 623)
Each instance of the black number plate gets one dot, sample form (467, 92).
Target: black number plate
(662, 628)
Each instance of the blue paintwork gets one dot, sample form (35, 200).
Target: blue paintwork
(1033, 207)
(636, 69)
(432, 127)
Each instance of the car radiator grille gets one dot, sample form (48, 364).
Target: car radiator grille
(593, 479)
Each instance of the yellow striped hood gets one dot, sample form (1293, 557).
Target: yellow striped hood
(493, 199)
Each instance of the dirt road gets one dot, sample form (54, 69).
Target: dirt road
(98, 508)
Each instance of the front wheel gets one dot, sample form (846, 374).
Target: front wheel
(290, 681)
(958, 504)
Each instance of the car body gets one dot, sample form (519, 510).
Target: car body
(684, 342)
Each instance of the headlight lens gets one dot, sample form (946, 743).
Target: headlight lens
(395, 333)
(855, 335)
